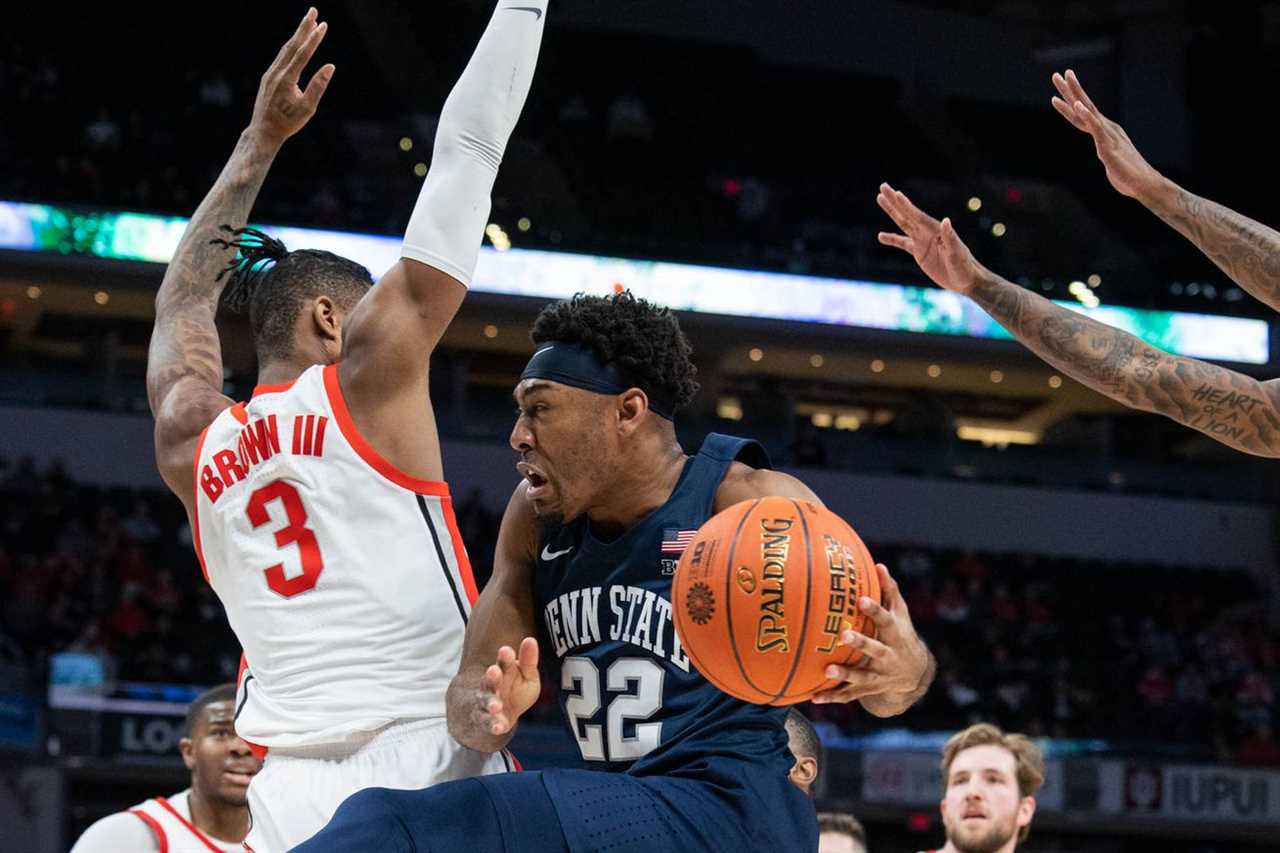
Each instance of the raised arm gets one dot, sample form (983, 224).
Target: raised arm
(388, 340)
(1247, 251)
(184, 362)
(498, 680)
(1232, 408)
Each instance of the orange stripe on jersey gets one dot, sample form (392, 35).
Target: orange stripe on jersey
(188, 824)
(273, 389)
(238, 412)
(161, 838)
(365, 451)
(460, 552)
(195, 507)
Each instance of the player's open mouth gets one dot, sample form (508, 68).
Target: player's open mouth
(537, 480)
(239, 777)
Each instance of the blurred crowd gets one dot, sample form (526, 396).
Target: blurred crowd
(631, 144)
(1051, 647)
(1077, 649)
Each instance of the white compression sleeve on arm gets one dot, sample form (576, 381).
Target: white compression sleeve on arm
(447, 225)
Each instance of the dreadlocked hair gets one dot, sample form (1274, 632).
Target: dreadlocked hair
(275, 284)
(641, 338)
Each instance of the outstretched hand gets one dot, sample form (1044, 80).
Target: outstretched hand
(282, 108)
(935, 246)
(896, 666)
(511, 686)
(1127, 170)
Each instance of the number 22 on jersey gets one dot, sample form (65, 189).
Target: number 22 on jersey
(294, 533)
(581, 676)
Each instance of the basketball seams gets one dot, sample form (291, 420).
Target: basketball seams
(728, 597)
(808, 599)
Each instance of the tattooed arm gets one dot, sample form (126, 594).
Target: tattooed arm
(1247, 251)
(1230, 407)
(184, 362)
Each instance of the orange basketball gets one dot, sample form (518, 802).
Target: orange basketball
(763, 593)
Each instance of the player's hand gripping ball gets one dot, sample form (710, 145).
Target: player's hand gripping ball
(763, 594)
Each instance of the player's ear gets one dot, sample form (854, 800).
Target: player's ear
(805, 773)
(1026, 811)
(188, 749)
(633, 405)
(327, 318)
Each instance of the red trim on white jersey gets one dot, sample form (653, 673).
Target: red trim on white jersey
(365, 451)
(188, 824)
(259, 751)
(156, 828)
(275, 388)
(238, 412)
(460, 553)
(195, 507)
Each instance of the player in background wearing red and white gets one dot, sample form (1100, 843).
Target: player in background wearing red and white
(318, 508)
(990, 780)
(212, 814)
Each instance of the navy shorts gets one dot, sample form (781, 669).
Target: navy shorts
(572, 811)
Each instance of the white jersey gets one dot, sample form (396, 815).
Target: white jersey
(344, 579)
(161, 824)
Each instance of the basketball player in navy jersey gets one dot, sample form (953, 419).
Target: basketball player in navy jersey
(584, 561)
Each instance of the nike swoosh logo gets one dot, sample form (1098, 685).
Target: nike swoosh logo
(541, 351)
(534, 9)
(548, 555)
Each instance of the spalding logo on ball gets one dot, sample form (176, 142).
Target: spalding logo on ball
(763, 593)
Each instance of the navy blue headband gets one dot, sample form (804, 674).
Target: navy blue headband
(578, 366)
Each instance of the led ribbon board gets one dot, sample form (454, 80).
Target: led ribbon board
(684, 287)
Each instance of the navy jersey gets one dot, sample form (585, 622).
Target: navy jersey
(631, 697)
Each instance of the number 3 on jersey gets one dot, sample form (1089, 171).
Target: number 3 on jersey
(294, 533)
(581, 676)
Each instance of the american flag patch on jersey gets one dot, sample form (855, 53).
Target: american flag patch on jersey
(674, 540)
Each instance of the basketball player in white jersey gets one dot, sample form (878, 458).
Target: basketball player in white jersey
(212, 814)
(319, 510)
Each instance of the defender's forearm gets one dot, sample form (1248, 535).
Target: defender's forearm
(1227, 406)
(1246, 250)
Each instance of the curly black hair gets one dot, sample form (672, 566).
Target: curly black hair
(641, 338)
(274, 284)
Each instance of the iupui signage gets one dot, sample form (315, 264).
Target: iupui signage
(1189, 792)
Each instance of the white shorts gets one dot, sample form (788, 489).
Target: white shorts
(297, 790)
